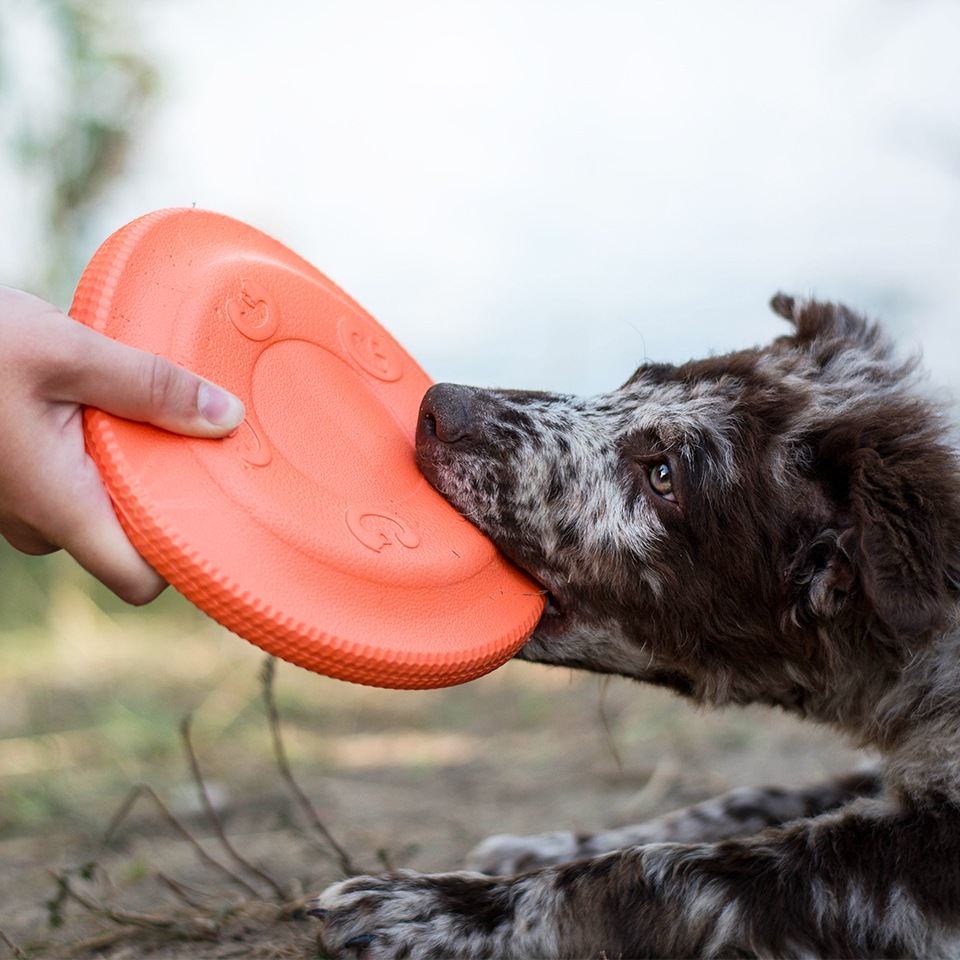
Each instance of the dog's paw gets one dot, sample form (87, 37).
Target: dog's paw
(413, 915)
(505, 854)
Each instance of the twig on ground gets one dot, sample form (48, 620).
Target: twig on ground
(280, 753)
(294, 909)
(181, 892)
(17, 952)
(178, 923)
(666, 776)
(103, 941)
(190, 928)
(143, 790)
(391, 861)
(605, 724)
(214, 818)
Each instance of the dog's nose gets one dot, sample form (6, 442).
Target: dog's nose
(446, 413)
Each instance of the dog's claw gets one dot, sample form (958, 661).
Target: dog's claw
(364, 940)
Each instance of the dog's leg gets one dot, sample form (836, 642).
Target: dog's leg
(873, 880)
(738, 813)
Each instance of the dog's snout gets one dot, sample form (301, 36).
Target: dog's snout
(446, 413)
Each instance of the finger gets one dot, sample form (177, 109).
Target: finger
(131, 383)
(25, 539)
(56, 498)
(88, 529)
(97, 541)
(110, 557)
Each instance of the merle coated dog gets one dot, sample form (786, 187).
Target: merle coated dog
(776, 526)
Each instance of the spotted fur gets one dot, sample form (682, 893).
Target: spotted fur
(777, 526)
(739, 813)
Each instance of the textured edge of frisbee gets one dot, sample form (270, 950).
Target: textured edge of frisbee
(226, 601)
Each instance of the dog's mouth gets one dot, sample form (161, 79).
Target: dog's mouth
(554, 616)
(448, 421)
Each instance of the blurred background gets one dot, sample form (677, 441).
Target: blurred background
(535, 193)
(525, 193)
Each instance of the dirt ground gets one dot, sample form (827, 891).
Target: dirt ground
(93, 705)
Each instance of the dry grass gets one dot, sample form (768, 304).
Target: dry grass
(124, 834)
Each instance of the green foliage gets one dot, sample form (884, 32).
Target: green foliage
(26, 583)
(72, 102)
(24, 586)
(72, 142)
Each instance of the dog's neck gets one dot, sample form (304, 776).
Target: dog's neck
(916, 724)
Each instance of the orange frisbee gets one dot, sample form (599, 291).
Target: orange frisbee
(309, 531)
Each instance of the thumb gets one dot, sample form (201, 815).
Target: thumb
(136, 385)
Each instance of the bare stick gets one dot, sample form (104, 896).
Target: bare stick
(214, 817)
(605, 723)
(103, 941)
(194, 928)
(17, 952)
(123, 811)
(181, 893)
(143, 790)
(279, 751)
(391, 861)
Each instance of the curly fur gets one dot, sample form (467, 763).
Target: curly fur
(807, 557)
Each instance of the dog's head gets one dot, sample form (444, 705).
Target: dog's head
(736, 527)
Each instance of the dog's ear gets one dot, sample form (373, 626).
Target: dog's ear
(896, 548)
(895, 552)
(828, 325)
(892, 546)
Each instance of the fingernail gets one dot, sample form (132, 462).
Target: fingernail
(219, 407)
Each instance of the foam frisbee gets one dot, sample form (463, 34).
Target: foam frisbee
(309, 531)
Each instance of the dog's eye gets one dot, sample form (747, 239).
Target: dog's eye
(662, 481)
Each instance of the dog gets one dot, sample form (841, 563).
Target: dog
(777, 526)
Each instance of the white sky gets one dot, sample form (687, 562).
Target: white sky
(540, 193)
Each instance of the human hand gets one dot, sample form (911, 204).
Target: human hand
(51, 494)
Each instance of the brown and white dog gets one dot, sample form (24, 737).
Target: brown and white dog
(777, 526)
